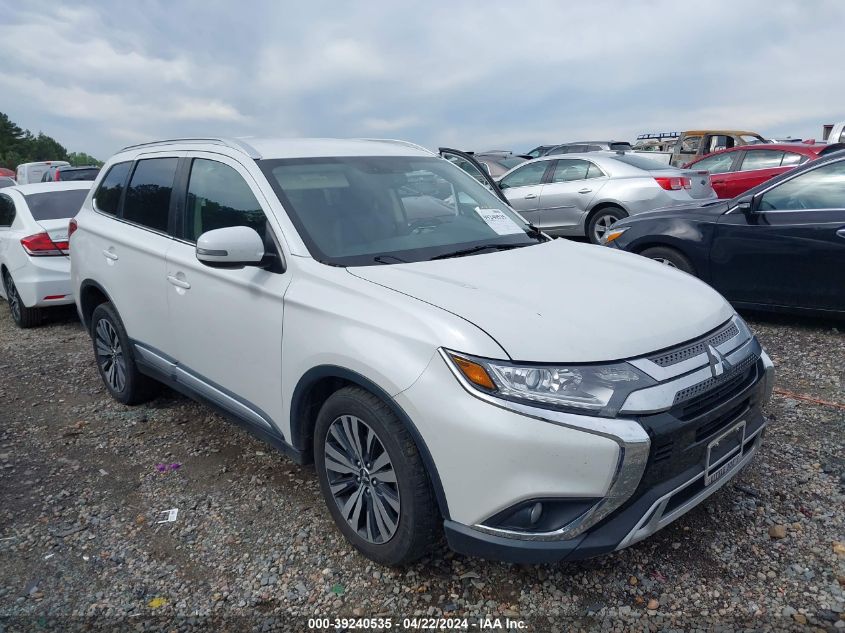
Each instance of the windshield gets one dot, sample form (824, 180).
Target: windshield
(78, 174)
(55, 205)
(364, 210)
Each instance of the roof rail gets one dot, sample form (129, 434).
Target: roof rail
(234, 143)
(398, 142)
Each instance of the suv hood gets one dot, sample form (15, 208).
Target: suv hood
(562, 301)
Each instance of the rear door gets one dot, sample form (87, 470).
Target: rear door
(791, 250)
(572, 185)
(129, 240)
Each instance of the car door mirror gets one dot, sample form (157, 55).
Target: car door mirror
(747, 204)
(230, 247)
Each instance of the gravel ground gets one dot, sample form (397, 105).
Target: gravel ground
(254, 546)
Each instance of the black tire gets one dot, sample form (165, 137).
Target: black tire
(602, 219)
(22, 316)
(418, 518)
(669, 256)
(115, 359)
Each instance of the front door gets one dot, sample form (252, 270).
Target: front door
(790, 249)
(571, 187)
(523, 187)
(227, 323)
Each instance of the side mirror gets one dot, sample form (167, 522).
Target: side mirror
(230, 247)
(746, 205)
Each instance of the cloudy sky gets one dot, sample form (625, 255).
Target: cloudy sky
(476, 75)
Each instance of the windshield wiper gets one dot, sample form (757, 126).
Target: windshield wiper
(385, 259)
(477, 249)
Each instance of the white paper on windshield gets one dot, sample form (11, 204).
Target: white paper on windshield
(497, 220)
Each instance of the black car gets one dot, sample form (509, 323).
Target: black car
(779, 246)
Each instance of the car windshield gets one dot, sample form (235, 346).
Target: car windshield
(364, 210)
(647, 164)
(509, 163)
(55, 205)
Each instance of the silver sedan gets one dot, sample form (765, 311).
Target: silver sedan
(584, 194)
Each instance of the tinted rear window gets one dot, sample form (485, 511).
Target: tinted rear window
(620, 146)
(646, 164)
(148, 197)
(55, 205)
(78, 174)
(108, 194)
(6, 182)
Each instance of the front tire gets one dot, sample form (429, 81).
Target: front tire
(115, 360)
(22, 316)
(601, 221)
(373, 478)
(669, 257)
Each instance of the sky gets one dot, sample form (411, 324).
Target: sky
(98, 76)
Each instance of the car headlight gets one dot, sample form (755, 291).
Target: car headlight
(587, 389)
(612, 235)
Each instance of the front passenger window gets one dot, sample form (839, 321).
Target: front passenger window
(530, 174)
(821, 188)
(219, 197)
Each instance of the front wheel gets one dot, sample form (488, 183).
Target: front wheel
(601, 222)
(24, 317)
(373, 479)
(669, 257)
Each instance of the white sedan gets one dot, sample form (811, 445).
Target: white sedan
(34, 262)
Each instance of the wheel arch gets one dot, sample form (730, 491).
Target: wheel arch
(91, 294)
(315, 387)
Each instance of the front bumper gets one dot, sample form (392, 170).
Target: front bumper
(669, 482)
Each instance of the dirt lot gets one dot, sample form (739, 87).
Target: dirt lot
(253, 545)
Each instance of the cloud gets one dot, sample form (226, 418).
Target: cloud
(96, 75)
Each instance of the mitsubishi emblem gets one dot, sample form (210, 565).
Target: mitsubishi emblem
(717, 361)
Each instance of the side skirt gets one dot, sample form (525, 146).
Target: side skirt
(158, 366)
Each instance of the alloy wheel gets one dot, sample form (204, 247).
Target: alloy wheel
(14, 298)
(110, 355)
(665, 262)
(362, 479)
(602, 226)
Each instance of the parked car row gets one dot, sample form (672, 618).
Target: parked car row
(305, 261)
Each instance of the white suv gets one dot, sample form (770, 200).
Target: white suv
(371, 307)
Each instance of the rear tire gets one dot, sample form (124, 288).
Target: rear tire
(601, 221)
(22, 316)
(669, 257)
(373, 478)
(115, 360)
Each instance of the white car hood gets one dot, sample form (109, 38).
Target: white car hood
(563, 301)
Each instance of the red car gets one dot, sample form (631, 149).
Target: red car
(8, 173)
(736, 170)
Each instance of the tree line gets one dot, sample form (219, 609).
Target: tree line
(22, 146)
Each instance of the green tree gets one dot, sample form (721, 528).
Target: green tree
(79, 159)
(21, 146)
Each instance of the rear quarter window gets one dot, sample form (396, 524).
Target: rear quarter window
(108, 193)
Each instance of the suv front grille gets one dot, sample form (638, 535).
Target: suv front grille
(715, 388)
(677, 355)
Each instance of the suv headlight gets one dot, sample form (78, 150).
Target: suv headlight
(587, 389)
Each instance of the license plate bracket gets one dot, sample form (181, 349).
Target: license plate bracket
(724, 452)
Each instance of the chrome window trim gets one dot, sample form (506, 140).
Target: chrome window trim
(634, 447)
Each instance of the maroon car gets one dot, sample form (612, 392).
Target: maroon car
(736, 170)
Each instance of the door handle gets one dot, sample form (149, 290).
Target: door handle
(841, 232)
(110, 255)
(179, 283)
(531, 196)
(585, 190)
